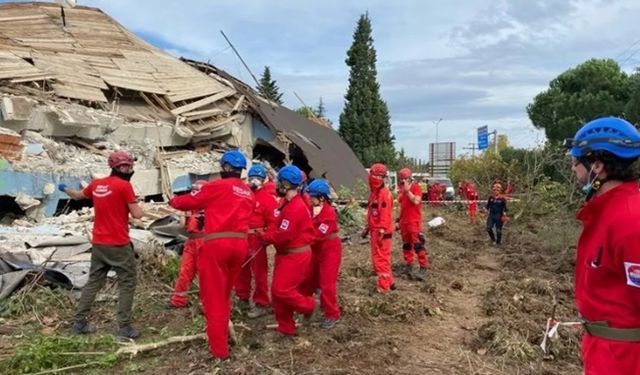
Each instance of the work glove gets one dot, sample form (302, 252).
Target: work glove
(397, 226)
(422, 239)
(365, 232)
(62, 187)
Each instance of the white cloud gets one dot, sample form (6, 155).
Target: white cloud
(468, 62)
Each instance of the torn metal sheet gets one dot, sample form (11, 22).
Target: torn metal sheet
(57, 241)
(10, 281)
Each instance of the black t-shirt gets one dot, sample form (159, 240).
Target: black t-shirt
(496, 206)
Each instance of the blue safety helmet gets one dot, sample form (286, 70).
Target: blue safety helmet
(257, 170)
(235, 159)
(611, 134)
(291, 174)
(319, 188)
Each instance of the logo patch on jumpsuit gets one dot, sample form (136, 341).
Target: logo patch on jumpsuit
(284, 225)
(632, 270)
(323, 228)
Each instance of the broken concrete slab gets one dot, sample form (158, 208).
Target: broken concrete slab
(16, 108)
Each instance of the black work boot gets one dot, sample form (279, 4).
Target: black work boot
(82, 327)
(128, 332)
(405, 270)
(420, 274)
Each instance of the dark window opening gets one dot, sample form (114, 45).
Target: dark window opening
(66, 206)
(9, 210)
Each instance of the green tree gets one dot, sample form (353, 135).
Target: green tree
(364, 121)
(592, 89)
(320, 110)
(307, 112)
(268, 88)
(632, 108)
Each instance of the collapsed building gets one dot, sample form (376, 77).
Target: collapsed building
(75, 85)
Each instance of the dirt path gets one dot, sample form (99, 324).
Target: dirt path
(439, 344)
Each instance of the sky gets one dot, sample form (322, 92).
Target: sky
(460, 64)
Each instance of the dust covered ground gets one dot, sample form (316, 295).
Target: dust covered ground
(482, 310)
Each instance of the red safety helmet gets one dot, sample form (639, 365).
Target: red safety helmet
(120, 158)
(404, 173)
(378, 169)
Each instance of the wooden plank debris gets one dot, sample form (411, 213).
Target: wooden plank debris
(79, 92)
(202, 102)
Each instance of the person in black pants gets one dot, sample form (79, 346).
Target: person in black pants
(497, 207)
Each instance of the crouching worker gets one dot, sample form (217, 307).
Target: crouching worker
(227, 203)
(256, 265)
(194, 224)
(291, 235)
(113, 200)
(327, 253)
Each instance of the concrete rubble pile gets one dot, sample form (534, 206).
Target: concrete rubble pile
(60, 246)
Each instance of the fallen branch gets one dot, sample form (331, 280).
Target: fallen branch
(134, 349)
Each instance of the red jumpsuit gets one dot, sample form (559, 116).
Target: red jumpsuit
(411, 226)
(380, 222)
(257, 266)
(325, 263)
(227, 204)
(291, 235)
(194, 224)
(472, 197)
(432, 194)
(607, 280)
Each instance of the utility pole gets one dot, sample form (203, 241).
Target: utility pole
(495, 140)
(437, 123)
(472, 147)
(240, 57)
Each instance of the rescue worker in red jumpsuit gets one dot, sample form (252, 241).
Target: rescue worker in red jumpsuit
(194, 224)
(256, 265)
(432, 193)
(380, 226)
(291, 235)
(327, 253)
(509, 189)
(472, 201)
(410, 199)
(113, 201)
(607, 280)
(228, 204)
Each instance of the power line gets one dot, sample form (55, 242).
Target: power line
(627, 49)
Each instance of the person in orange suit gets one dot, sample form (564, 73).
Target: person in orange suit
(228, 204)
(194, 224)
(410, 221)
(380, 226)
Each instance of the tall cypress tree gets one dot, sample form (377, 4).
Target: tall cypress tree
(364, 121)
(268, 88)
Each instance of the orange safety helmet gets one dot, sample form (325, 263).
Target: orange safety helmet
(404, 173)
(378, 169)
